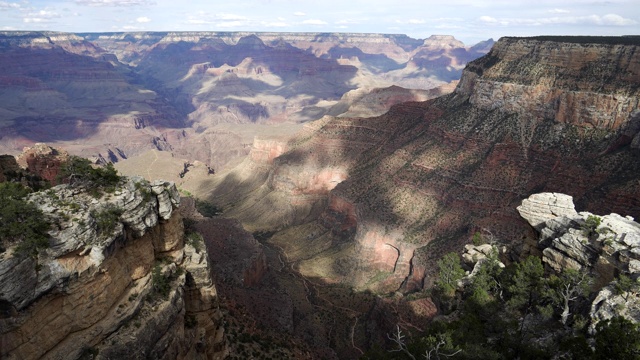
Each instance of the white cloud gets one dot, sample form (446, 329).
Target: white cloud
(314, 22)
(224, 20)
(606, 20)
(299, 13)
(276, 24)
(198, 21)
(42, 16)
(558, 11)
(616, 20)
(231, 24)
(143, 19)
(349, 22)
(233, 17)
(488, 19)
(416, 21)
(447, 19)
(7, 5)
(114, 2)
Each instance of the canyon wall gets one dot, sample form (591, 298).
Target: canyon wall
(95, 290)
(198, 95)
(418, 181)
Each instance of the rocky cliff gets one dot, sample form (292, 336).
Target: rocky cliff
(116, 281)
(605, 249)
(418, 181)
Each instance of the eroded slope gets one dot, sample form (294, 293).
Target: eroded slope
(373, 202)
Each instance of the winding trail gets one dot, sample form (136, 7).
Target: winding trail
(151, 164)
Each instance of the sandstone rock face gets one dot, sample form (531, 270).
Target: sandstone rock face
(515, 81)
(612, 250)
(425, 176)
(91, 289)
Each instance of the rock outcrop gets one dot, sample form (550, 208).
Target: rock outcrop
(93, 291)
(43, 161)
(607, 250)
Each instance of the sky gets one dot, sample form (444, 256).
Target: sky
(469, 21)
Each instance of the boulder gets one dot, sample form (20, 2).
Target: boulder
(539, 208)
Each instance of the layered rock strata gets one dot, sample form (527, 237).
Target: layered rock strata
(410, 185)
(91, 292)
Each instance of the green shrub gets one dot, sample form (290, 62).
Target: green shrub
(617, 338)
(190, 321)
(107, 219)
(478, 239)
(143, 188)
(22, 222)
(207, 209)
(161, 283)
(449, 273)
(590, 226)
(195, 239)
(78, 171)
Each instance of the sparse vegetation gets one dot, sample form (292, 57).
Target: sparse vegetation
(80, 172)
(207, 209)
(191, 235)
(161, 282)
(22, 222)
(519, 312)
(89, 353)
(107, 219)
(144, 188)
(625, 286)
(590, 226)
(478, 239)
(195, 239)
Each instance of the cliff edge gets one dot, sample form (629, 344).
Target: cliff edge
(115, 281)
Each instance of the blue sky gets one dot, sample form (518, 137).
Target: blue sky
(469, 21)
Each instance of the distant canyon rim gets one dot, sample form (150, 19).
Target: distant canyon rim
(204, 96)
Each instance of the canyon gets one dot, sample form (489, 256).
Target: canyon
(378, 200)
(201, 96)
(337, 199)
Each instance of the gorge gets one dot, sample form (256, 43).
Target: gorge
(334, 223)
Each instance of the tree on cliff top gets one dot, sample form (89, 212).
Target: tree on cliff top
(449, 273)
(78, 171)
(22, 222)
(617, 338)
